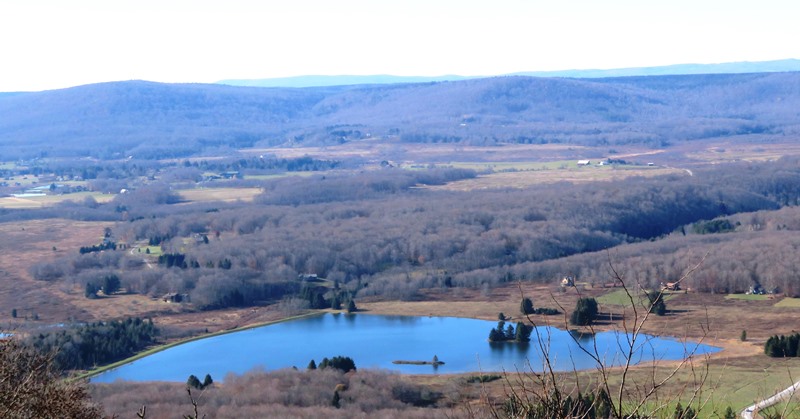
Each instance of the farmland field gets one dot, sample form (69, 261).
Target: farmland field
(788, 303)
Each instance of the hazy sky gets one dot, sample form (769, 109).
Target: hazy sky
(47, 44)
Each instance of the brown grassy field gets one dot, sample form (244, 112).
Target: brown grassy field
(29, 242)
(726, 151)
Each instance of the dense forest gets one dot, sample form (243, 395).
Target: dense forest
(383, 233)
(146, 120)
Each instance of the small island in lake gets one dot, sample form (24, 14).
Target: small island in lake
(503, 333)
(435, 362)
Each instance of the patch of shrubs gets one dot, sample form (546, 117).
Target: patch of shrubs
(484, 378)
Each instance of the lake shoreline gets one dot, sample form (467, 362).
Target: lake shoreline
(163, 347)
(462, 346)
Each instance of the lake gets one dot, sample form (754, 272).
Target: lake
(374, 341)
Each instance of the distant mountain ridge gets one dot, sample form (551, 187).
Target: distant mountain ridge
(677, 69)
(344, 80)
(154, 120)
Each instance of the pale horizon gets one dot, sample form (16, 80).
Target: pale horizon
(56, 44)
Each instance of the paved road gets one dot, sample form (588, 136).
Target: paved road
(751, 412)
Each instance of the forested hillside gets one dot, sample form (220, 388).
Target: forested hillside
(384, 233)
(150, 120)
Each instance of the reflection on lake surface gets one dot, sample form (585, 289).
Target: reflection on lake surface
(375, 341)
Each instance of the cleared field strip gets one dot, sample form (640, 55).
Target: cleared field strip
(620, 297)
(525, 178)
(218, 194)
(747, 297)
(47, 200)
(282, 175)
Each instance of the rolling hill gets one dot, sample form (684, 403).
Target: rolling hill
(668, 70)
(154, 120)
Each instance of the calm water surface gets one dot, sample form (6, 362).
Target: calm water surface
(375, 341)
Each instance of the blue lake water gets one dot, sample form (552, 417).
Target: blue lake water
(374, 341)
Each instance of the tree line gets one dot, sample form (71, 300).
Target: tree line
(92, 344)
(783, 346)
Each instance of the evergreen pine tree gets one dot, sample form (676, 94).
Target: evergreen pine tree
(526, 306)
(657, 305)
(207, 381)
(585, 312)
(318, 301)
(509, 333)
(602, 404)
(194, 382)
(91, 291)
(351, 307)
(792, 343)
(768, 346)
(111, 284)
(729, 414)
(566, 407)
(678, 414)
(523, 333)
(312, 365)
(336, 400)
